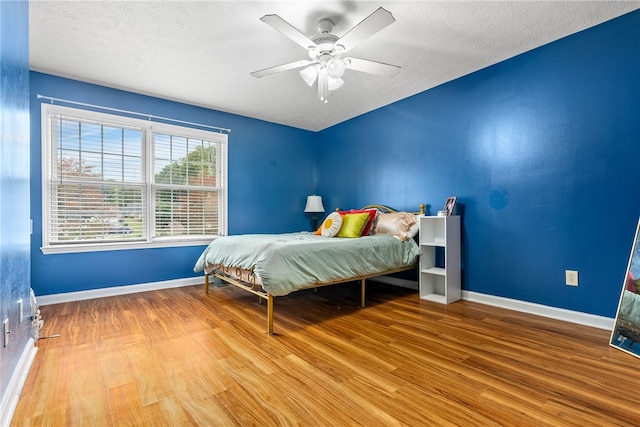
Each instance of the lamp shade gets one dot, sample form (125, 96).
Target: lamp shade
(309, 74)
(335, 68)
(314, 204)
(334, 84)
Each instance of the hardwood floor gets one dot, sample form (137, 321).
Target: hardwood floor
(177, 357)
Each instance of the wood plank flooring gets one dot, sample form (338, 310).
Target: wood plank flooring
(177, 357)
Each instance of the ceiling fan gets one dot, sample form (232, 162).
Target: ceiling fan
(326, 63)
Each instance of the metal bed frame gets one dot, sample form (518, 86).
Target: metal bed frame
(257, 289)
(225, 274)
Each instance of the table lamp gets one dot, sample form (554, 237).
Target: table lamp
(314, 209)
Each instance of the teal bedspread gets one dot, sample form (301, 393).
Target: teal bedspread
(287, 262)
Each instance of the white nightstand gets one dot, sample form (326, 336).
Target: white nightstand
(440, 283)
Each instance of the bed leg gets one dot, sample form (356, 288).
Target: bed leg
(270, 314)
(206, 284)
(362, 292)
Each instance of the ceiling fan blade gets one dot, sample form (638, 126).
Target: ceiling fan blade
(366, 28)
(288, 30)
(372, 67)
(283, 67)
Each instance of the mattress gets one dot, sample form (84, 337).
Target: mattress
(284, 263)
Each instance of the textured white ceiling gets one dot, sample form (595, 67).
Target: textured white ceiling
(201, 52)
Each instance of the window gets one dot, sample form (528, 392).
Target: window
(113, 182)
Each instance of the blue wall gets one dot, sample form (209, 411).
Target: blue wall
(543, 152)
(14, 183)
(271, 171)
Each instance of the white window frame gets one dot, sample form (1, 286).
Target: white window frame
(149, 127)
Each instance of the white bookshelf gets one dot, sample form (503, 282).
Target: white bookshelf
(439, 241)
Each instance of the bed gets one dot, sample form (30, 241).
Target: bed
(353, 245)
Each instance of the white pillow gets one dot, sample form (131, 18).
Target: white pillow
(331, 225)
(413, 230)
(402, 225)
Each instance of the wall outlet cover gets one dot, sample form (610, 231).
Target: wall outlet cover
(571, 277)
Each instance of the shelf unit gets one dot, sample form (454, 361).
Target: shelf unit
(439, 241)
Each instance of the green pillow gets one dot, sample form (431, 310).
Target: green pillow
(352, 225)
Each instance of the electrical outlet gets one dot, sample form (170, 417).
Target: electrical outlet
(572, 277)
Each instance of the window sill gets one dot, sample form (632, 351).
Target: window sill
(120, 246)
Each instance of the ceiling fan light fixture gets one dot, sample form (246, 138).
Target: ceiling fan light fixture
(309, 74)
(325, 64)
(335, 68)
(323, 85)
(334, 84)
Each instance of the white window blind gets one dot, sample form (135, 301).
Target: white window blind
(109, 179)
(187, 186)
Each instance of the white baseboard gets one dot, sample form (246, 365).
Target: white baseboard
(117, 290)
(10, 398)
(578, 317)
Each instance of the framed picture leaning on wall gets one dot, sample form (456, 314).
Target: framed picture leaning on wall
(450, 205)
